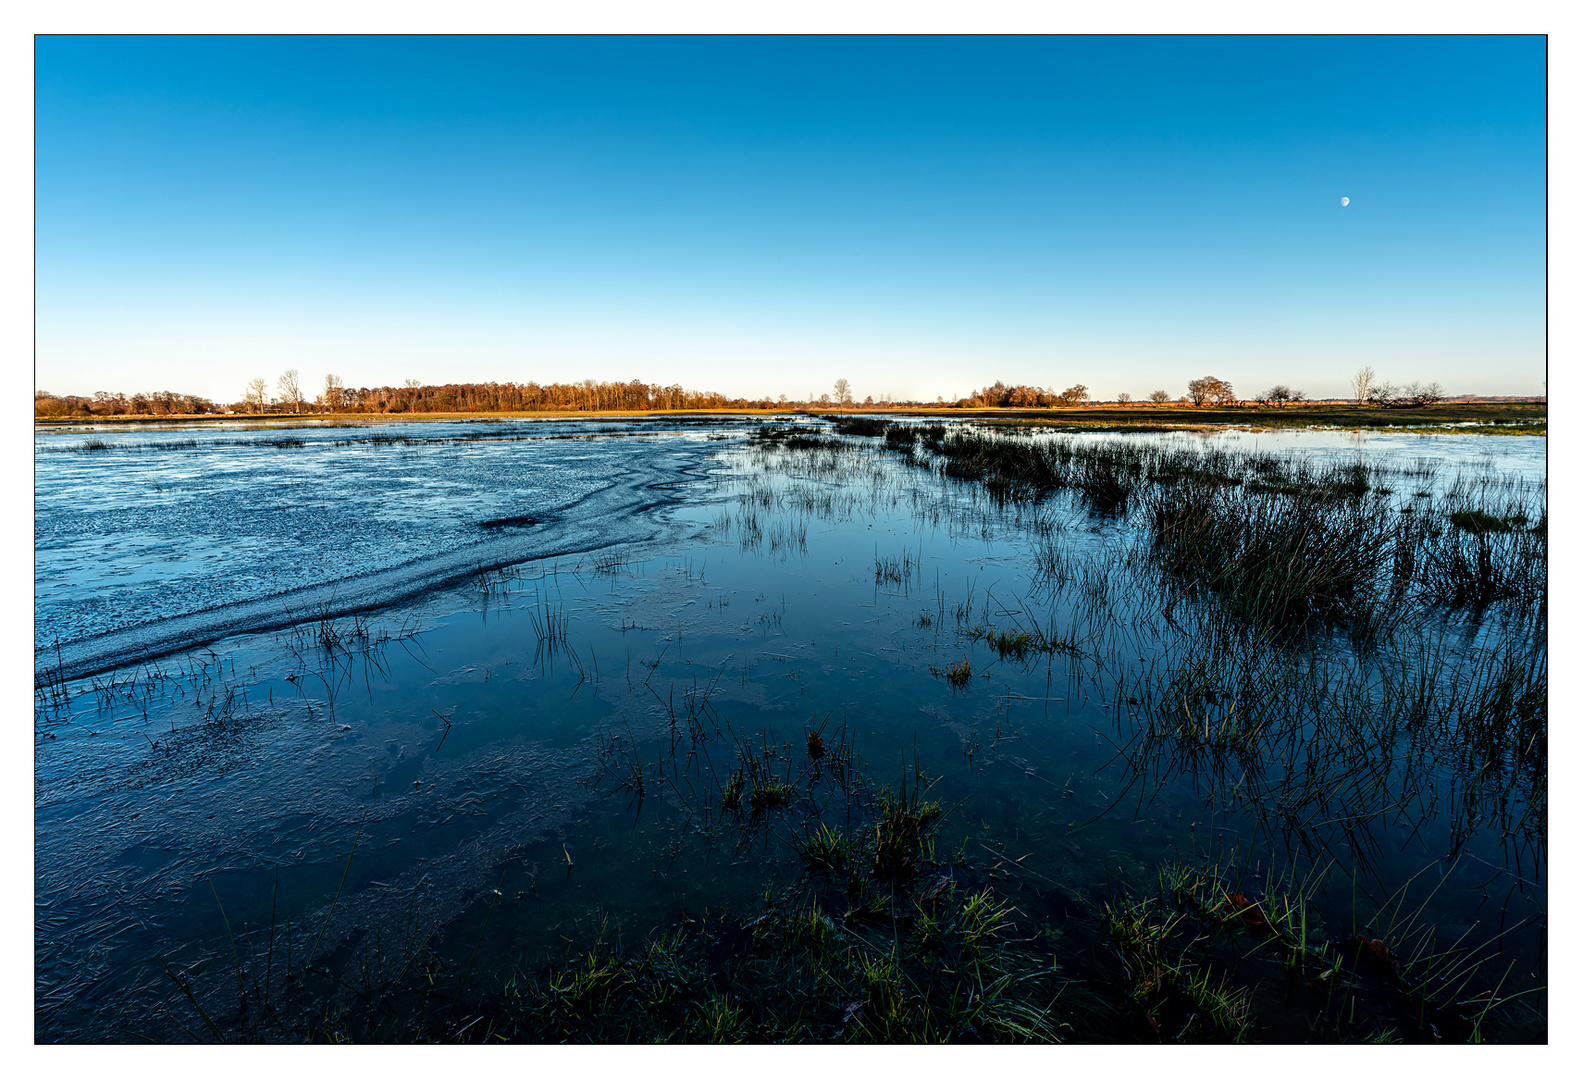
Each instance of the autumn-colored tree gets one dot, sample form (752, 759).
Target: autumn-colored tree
(1210, 389)
(334, 390)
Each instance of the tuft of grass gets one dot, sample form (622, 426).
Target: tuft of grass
(902, 835)
(731, 794)
(897, 570)
(1011, 643)
(767, 795)
(959, 674)
(826, 852)
(1178, 997)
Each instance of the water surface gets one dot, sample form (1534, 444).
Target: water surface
(494, 730)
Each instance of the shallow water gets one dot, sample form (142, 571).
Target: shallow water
(191, 532)
(478, 741)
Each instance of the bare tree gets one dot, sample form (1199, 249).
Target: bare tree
(1210, 389)
(334, 389)
(1123, 398)
(843, 392)
(1159, 397)
(1429, 394)
(290, 389)
(1074, 395)
(1279, 394)
(1383, 394)
(257, 394)
(1362, 384)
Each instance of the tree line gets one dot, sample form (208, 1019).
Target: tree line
(1002, 396)
(1368, 389)
(104, 403)
(589, 395)
(290, 397)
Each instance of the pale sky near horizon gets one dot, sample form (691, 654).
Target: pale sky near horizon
(764, 215)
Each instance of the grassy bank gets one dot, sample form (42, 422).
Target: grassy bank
(1530, 416)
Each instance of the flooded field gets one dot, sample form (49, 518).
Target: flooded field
(789, 729)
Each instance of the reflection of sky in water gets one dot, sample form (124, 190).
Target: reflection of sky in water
(1516, 455)
(145, 530)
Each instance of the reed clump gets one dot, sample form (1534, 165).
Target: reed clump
(1277, 560)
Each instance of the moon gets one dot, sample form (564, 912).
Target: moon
(1345, 200)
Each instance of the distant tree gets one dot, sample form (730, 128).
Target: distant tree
(1277, 394)
(1159, 397)
(257, 395)
(1074, 395)
(869, 400)
(843, 392)
(1430, 394)
(1210, 389)
(290, 390)
(1362, 384)
(107, 404)
(1383, 394)
(1123, 398)
(334, 388)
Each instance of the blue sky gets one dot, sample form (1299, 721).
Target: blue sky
(764, 215)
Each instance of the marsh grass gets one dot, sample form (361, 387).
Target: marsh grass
(875, 939)
(1179, 996)
(793, 972)
(1392, 972)
(551, 625)
(959, 675)
(898, 571)
(1279, 561)
(873, 943)
(1315, 742)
